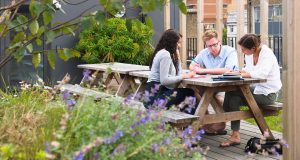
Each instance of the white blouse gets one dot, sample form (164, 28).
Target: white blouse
(267, 68)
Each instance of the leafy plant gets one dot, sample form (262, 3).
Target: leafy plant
(33, 128)
(117, 40)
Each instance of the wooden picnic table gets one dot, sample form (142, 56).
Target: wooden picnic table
(118, 71)
(209, 88)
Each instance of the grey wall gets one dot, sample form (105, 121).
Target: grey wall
(70, 66)
(158, 21)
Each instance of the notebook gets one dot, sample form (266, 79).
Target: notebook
(227, 77)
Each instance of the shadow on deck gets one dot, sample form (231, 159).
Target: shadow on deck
(236, 152)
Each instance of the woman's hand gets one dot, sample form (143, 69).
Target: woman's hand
(188, 75)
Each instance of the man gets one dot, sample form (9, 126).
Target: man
(215, 59)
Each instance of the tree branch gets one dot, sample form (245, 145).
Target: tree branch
(13, 5)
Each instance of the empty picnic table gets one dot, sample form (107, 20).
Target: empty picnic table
(116, 70)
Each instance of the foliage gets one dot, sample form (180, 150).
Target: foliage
(114, 41)
(38, 29)
(32, 128)
(224, 38)
(34, 30)
(274, 122)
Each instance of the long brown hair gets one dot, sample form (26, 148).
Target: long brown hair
(168, 41)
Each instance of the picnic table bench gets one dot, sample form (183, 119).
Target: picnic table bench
(175, 118)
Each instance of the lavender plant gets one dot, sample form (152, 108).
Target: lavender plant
(85, 129)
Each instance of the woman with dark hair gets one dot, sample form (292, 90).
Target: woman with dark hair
(260, 63)
(166, 72)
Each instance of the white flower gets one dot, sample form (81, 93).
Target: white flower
(57, 5)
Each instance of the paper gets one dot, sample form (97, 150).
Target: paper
(198, 76)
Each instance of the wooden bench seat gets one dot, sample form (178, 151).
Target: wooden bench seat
(175, 118)
(275, 107)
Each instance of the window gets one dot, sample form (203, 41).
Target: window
(256, 14)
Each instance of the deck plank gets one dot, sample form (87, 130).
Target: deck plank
(236, 152)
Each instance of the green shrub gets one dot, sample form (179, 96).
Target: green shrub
(118, 40)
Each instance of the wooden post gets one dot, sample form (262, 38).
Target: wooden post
(291, 78)
(250, 27)
(200, 24)
(264, 10)
(182, 30)
(167, 19)
(240, 30)
(219, 19)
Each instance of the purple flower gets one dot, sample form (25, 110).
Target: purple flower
(120, 148)
(71, 102)
(80, 156)
(128, 99)
(155, 147)
(188, 143)
(187, 132)
(107, 141)
(168, 141)
(65, 95)
(47, 147)
(96, 156)
(160, 103)
(138, 96)
(156, 87)
(86, 75)
(201, 131)
(117, 135)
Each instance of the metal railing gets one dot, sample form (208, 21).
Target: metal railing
(275, 43)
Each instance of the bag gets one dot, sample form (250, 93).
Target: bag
(215, 128)
(256, 145)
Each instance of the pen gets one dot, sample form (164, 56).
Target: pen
(233, 68)
(194, 60)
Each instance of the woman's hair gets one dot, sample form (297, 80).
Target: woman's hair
(168, 41)
(249, 41)
(209, 34)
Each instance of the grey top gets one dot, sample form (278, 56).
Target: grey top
(163, 70)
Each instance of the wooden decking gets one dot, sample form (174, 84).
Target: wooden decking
(235, 152)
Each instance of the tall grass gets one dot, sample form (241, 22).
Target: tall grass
(27, 119)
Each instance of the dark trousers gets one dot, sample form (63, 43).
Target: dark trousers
(234, 99)
(173, 96)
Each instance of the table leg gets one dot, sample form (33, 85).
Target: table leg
(126, 83)
(258, 116)
(216, 106)
(202, 108)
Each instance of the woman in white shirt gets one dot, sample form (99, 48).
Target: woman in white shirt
(260, 63)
